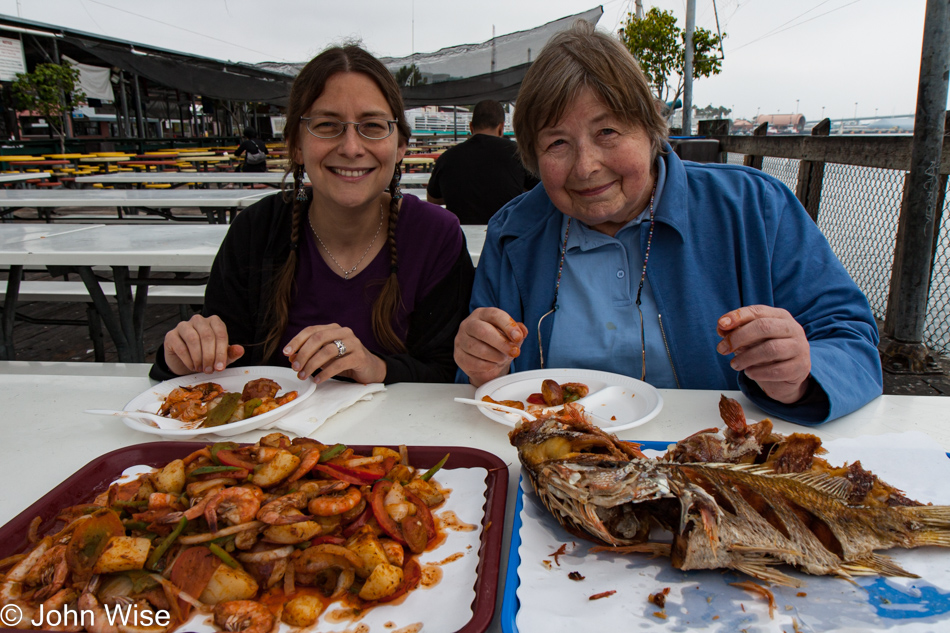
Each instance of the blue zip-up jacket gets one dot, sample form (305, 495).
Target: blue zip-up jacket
(726, 236)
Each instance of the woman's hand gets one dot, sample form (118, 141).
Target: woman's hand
(315, 348)
(770, 347)
(487, 342)
(200, 344)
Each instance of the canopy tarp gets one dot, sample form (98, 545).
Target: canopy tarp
(218, 81)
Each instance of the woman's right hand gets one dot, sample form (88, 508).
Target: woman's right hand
(487, 341)
(200, 344)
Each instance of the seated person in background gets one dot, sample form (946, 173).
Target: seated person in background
(349, 277)
(629, 260)
(476, 178)
(254, 150)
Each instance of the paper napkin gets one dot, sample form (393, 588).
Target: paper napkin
(328, 399)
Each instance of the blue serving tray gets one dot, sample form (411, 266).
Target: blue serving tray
(510, 603)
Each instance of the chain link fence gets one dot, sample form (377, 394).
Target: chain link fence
(858, 214)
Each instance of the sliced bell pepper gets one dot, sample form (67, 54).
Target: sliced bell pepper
(365, 474)
(535, 398)
(377, 502)
(223, 411)
(162, 547)
(229, 457)
(250, 405)
(216, 470)
(427, 475)
(226, 558)
(221, 446)
(336, 472)
(328, 454)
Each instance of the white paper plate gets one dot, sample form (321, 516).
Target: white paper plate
(636, 404)
(231, 379)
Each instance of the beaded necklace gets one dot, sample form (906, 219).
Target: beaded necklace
(643, 276)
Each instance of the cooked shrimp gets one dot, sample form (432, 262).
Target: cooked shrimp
(163, 500)
(235, 505)
(244, 616)
(49, 573)
(12, 586)
(88, 602)
(278, 512)
(334, 504)
(58, 603)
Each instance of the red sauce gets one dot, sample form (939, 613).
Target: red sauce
(450, 521)
(431, 576)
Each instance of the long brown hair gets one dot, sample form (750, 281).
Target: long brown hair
(307, 88)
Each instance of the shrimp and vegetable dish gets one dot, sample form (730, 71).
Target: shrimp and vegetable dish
(747, 499)
(247, 535)
(208, 405)
(552, 394)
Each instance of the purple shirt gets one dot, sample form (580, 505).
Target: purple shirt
(428, 241)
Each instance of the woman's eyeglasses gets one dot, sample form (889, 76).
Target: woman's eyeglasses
(327, 127)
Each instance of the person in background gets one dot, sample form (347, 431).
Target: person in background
(476, 178)
(254, 150)
(347, 277)
(629, 260)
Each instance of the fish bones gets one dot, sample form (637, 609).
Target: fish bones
(765, 499)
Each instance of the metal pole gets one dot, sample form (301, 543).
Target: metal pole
(688, 68)
(907, 302)
(138, 105)
(124, 128)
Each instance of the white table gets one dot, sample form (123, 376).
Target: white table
(215, 202)
(180, 178)
(51, 397)
(180, 248)
(171, 247)
(23, 176)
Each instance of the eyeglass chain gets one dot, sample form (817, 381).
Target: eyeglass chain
(560, 268)
(347, 273)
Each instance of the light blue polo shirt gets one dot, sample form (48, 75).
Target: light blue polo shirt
(597, 325)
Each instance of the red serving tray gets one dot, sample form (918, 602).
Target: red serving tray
(96, 476)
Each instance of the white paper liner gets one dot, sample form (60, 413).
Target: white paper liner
(445, 606)
(550, 602)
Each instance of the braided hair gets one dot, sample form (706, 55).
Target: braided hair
(307, 88)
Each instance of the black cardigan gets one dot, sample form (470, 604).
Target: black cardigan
(240, 285)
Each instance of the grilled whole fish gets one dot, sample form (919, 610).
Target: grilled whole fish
(745, 516)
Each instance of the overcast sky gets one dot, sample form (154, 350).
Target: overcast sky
(831, 58)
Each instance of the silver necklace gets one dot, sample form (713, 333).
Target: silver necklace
(347, 273)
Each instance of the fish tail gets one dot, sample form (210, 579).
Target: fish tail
(931, 524)
(732, 414)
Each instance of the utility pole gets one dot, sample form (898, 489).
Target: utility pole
(639, 12)
(688, 68)
(903, 350)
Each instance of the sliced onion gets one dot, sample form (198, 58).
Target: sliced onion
(266, 556)
(177, 592)
(343, 582)
(194, 539)
(362, 461)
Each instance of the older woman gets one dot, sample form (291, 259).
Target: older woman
(347, 277)
(630, 260)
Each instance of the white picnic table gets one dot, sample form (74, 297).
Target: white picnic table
(23, 176)
(215, 202)
(174, 177)
(53, 438)
(124, 248)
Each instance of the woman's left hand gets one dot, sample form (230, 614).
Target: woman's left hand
(770, 347)
(335, 351)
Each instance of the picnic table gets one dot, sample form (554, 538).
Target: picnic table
(215, 203)
(411, 414)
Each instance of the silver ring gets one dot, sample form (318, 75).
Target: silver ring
(340, 347)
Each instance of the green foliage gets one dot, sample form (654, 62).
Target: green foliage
(410, 76)
(50, 91)
(659, 44)
(712, 112)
